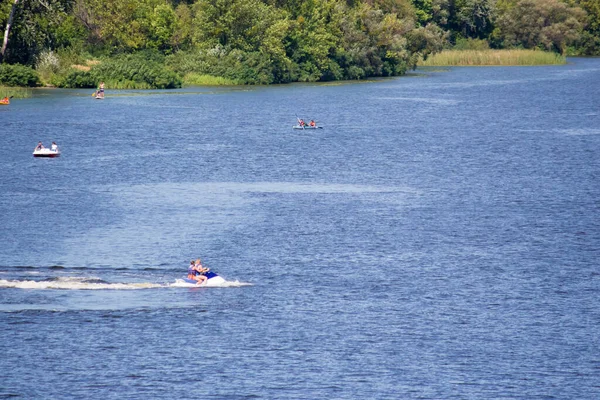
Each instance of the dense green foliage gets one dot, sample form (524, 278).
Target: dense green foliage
(141, 68)
(76, 79)
(77, 43)
(18, 75)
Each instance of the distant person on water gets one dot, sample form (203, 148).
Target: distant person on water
(5, 99)
(39, 146)
(191, 270)
(200, 268)
(196, 272)
(101, 89)
(54, 146)
(301, 122)
(313, 123)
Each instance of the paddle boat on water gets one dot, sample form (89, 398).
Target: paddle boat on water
(41, 151)
(46, 153)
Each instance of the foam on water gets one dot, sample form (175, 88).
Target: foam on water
(93, 283)
(225, 284)
(73, 283)
(445, 102)
(580, 131)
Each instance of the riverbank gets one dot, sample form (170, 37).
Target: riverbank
(16, 92)
(492, 58)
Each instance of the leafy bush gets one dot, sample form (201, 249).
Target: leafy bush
(250, 68)
(587, 45)
(47, 63)
(146, 71)
(194, 79)
(18, 75)
(355, 72)
(190, 62)
(77, 79)
(471, 44)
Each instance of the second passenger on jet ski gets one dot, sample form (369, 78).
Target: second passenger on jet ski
(196, 271)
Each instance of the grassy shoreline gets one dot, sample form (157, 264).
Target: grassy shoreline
(449, 58)
(16, 92)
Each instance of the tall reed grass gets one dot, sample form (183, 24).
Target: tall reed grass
(195, 79)
(493, 57)
(126, 84)
(16, 92)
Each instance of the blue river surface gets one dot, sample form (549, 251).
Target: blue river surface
(439, 238)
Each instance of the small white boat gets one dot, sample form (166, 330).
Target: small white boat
(306, 127)
(49, 153)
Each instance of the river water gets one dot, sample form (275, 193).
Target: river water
(439, 238)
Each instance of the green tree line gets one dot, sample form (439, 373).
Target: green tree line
(157, 43)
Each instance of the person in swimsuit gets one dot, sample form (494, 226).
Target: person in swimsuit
(200, 268)
(100, 91)
(195, 271)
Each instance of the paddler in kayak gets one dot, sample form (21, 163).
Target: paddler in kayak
(312, 123)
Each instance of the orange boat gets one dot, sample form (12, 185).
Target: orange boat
(5, 101)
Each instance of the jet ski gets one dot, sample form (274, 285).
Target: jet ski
(213, 280)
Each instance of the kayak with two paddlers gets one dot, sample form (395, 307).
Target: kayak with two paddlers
(303, 125)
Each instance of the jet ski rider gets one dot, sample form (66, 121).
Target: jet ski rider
(197, 272)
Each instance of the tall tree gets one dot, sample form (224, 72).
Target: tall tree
(38, 25)
(473, 18)
(590, 37)
(314, 37)
(126, 25)
(548, 24)
(7, 30)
